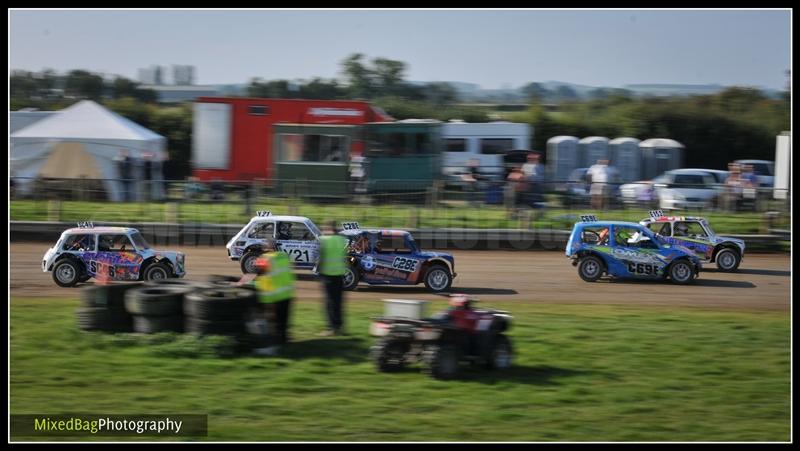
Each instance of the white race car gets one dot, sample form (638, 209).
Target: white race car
(298, 236)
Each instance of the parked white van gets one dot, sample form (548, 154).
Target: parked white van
(485, 142)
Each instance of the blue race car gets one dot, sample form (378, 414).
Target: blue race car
(391, 257)
(628, 250)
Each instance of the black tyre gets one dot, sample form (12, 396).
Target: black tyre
(681, 272)
(101, 319)
(67, 273)
(248, 262)
(157, 271)
(438, 278)
(154, 324)
(590, 268)
(501, 353)
(111, 296)
(389, 355)
(728, 260)
(216, 327)
(441, 361)
(188, 285)
(350, 278)
(223, 303)
(154, 301)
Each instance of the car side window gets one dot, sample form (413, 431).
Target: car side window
(595, 235)
(625, 236)
(689, 229)
(114, 243)
(663, 229)
(262, 231)
(79, 243)
(392, 244)
(294, 231)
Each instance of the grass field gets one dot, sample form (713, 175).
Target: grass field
(455, 214)
(583, 373)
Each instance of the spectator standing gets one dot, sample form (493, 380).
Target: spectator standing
(124, 164)
(733, 187)
(332, 266)
(534, 176)
(599, 176)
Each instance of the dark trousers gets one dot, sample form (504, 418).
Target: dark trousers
(333, 304)
(282, 321)
(276, 314)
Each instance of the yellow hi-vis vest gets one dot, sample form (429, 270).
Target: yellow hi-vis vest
(277, 284)
(332, 255)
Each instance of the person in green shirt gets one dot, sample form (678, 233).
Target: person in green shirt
(332, 265)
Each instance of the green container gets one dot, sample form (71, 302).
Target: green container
(313, 160)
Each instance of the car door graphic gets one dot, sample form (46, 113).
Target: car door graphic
(299, 243)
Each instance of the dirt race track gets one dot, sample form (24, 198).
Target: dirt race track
(762, 283)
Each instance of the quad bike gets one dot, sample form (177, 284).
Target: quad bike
(441, 342)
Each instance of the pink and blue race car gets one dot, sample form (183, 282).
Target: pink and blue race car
(108, 253)
(628, 250)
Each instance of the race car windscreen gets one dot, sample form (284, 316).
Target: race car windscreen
(139, 241)
(708, 228)
(313, 228)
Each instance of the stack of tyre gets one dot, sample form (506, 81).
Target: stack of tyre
(158, 306)
(103, 308)
(219, 310)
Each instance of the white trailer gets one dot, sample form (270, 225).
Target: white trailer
(783, 166)
(485, 142)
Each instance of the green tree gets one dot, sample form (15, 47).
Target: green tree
(359, 77)
(440, 93)
(84, 84)
(387, 75)
(278, 89)
(318, 88)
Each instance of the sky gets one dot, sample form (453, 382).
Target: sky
(492, 48)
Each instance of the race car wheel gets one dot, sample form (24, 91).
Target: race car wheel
(590, 268)
(66, 273)
(728, 260)
(350, 278)
(156, 271)
(248, 262)
(681, 272)
(441, 361)
(438, 278)
(501, 354)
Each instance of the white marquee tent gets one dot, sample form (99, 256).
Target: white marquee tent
(86, 140)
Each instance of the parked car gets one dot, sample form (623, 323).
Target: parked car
(648, 193)
(687, 189)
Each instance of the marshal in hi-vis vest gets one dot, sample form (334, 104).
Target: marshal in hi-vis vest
(332, 255)
(278, 283)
